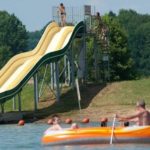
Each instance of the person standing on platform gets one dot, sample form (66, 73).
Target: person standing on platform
(62, 13)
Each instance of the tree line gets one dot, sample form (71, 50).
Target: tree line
(13, 37)
(129, 42)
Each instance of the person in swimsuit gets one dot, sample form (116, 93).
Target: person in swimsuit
(141, 117)
(62, 12)
(74, 126)
(55, 123)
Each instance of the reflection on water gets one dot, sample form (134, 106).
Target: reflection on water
(28, 137)
(101, 147)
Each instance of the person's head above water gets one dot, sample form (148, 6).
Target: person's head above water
(74, 126)
(55, 119)
(61, 4)
(140, 103)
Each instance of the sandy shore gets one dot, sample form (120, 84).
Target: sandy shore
(95, 115)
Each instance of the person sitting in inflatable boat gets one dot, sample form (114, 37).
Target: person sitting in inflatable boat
(142, 116)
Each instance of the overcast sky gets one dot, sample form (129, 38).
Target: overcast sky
(35, 14)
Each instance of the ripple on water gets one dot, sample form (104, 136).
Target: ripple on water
(28, 137)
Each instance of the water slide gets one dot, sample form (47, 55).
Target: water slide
(53, 44)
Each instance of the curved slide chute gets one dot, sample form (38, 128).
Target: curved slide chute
(53, 44)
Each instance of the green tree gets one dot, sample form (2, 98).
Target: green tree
(141, 50)
(137, 27)
(4, 53)
(121, 64)
(13, 35)
(34, 38)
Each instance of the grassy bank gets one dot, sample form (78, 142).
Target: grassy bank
(124, 93)
(97, 100)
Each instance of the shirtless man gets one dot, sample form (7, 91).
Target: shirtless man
(62, 12)
(141, 117)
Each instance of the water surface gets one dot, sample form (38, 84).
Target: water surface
(28, 137)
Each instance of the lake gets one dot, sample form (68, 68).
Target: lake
(28, 137)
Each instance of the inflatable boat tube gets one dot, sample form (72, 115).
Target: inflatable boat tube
(97, 135)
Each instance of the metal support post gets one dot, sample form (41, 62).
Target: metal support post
(96, 60)
(65, 64)
(81, 66)
(72, 68)
(2, 108)
(68, 68)
(85, 56)
(52, 75)
(36, 95)
(57, 82)
(14, 103)
(78, 93)
(40, 91)
(19, 101)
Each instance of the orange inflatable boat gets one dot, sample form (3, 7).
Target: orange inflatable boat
(98, 135)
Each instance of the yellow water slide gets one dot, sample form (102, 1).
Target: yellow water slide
(41, 46)
(19, 69)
